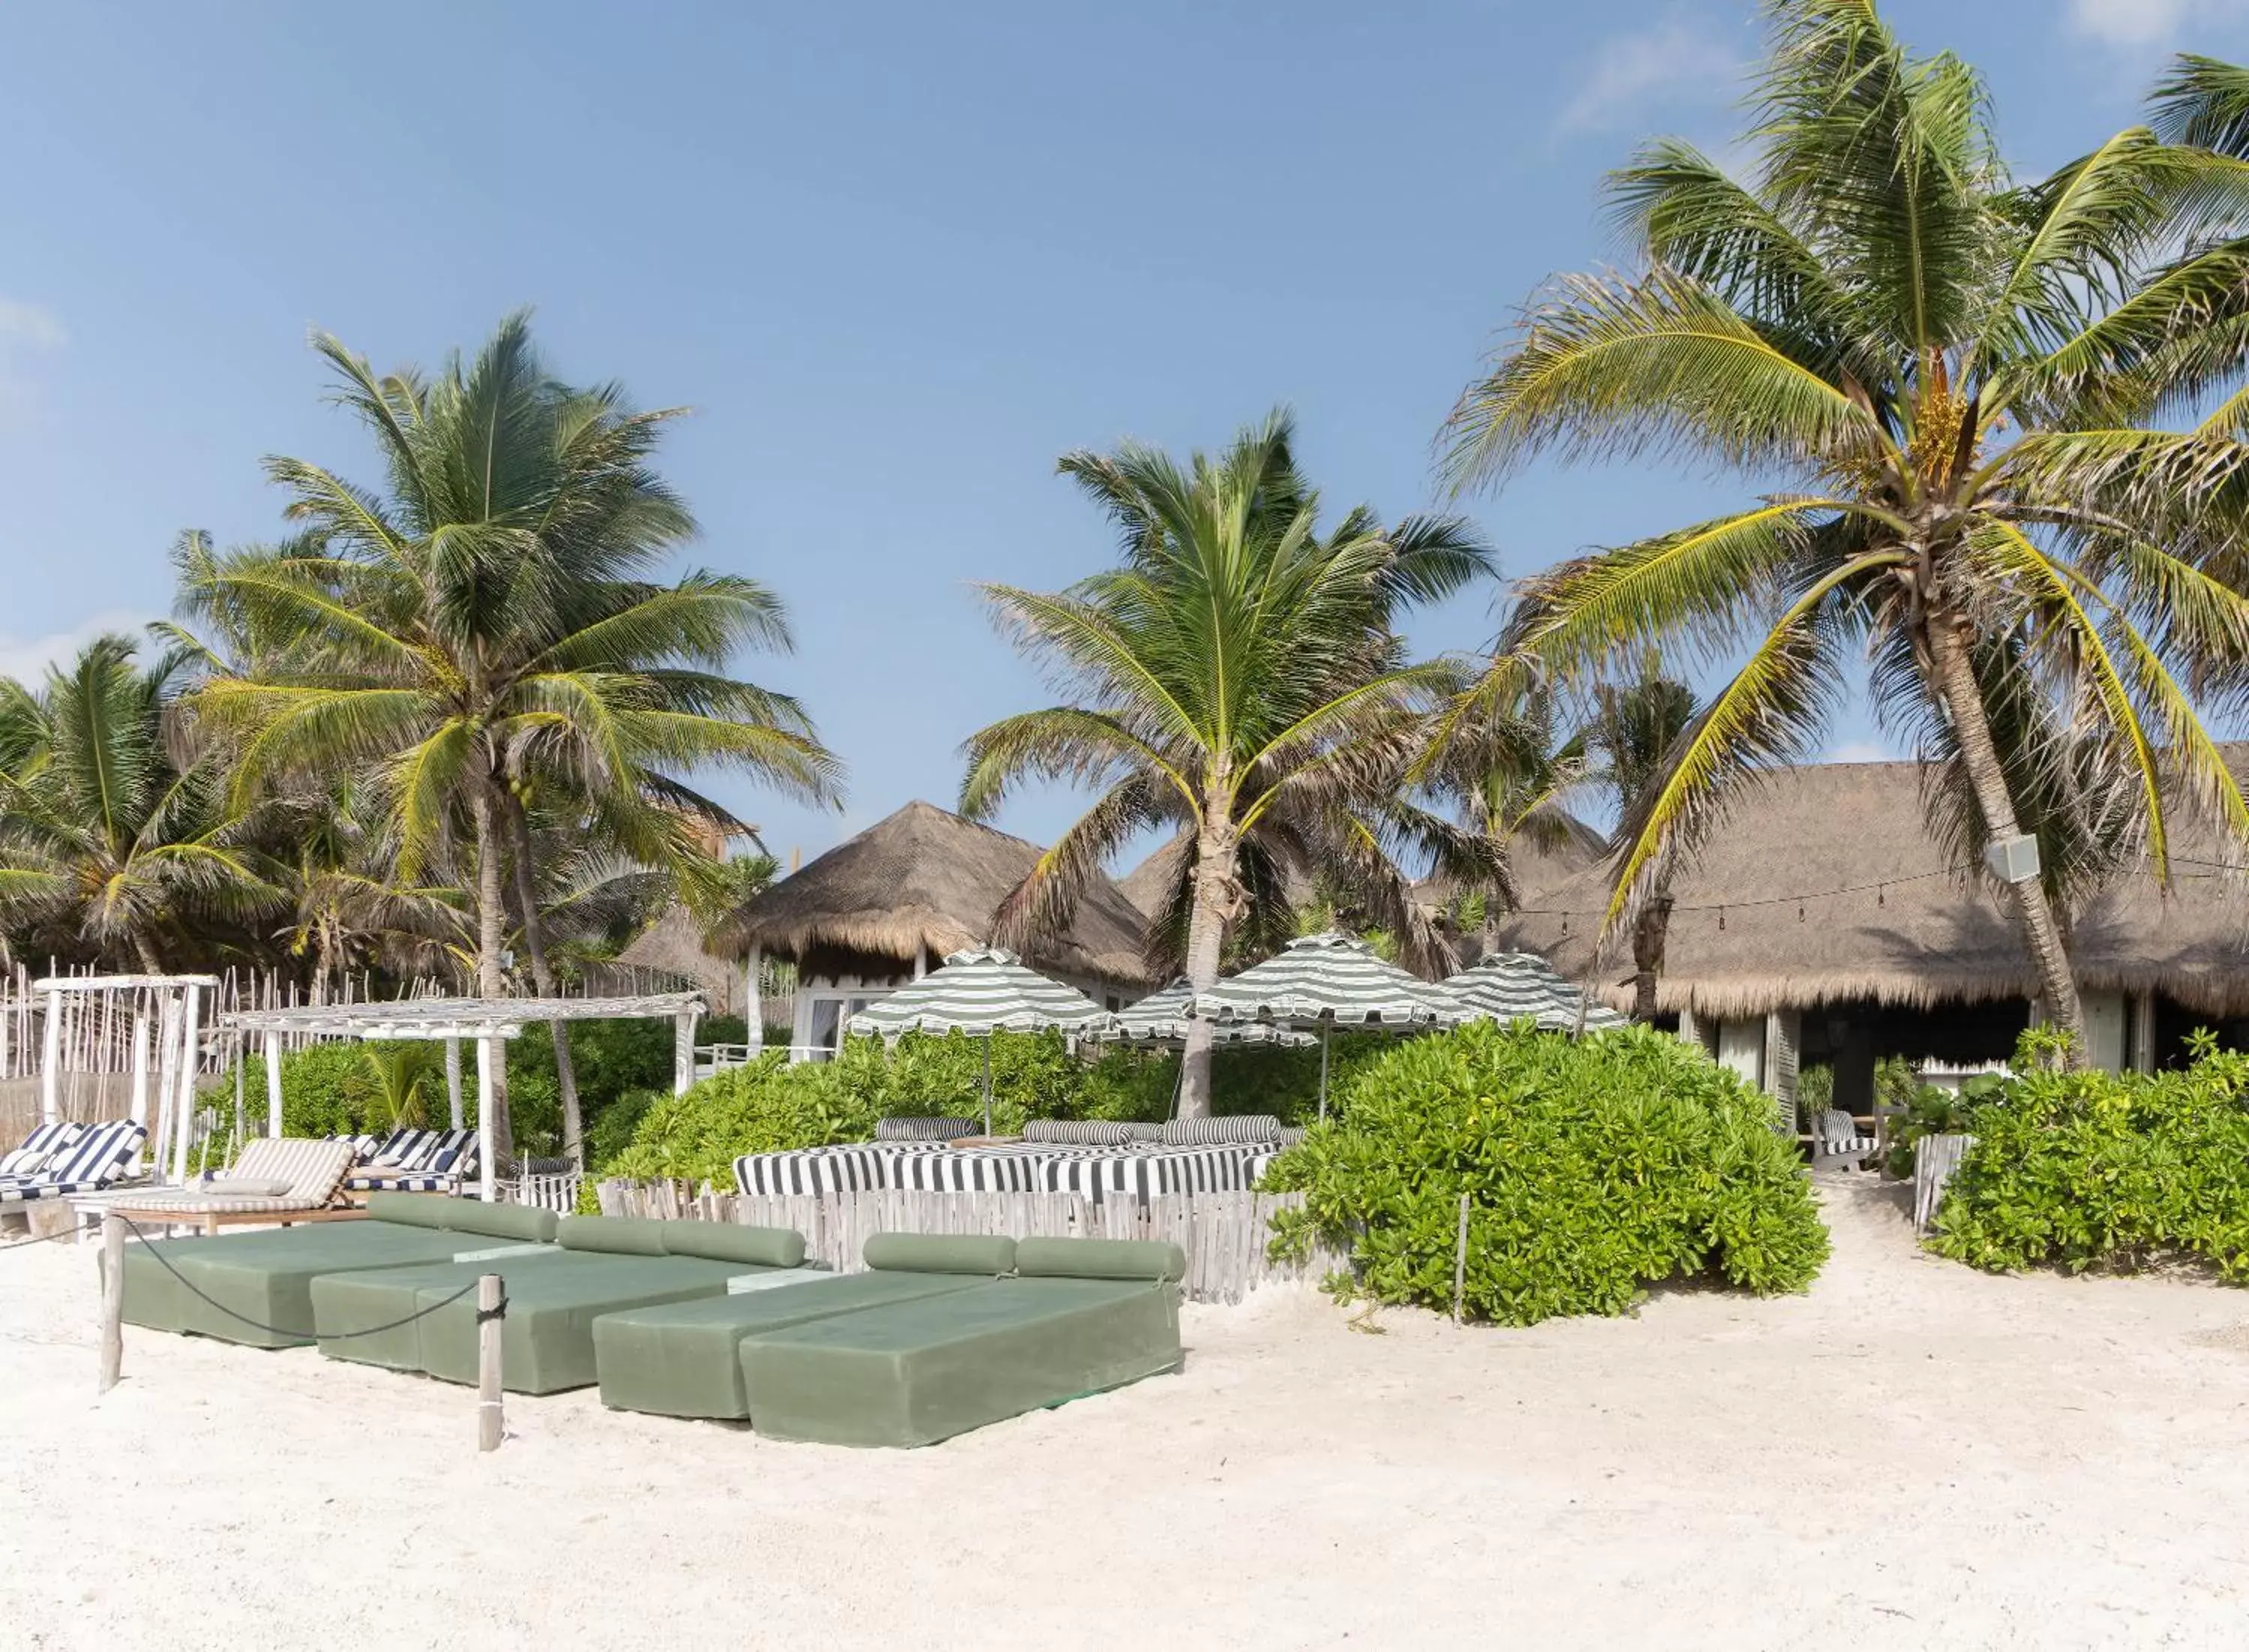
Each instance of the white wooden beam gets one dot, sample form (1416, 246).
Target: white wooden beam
(50, 1058)
(274, 1084)
(486, 1051)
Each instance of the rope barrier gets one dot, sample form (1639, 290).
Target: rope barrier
(43, 1238)
(275, 1330)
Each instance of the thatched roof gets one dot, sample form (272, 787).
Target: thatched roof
(1150, 884)
(1826, 887)
(926, 878)
(674, 944)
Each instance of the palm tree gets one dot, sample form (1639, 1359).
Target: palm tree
(347, 903)
(108, 831)
(1629, 737)
(1238, 676)
(485, 625)
(1944, 377)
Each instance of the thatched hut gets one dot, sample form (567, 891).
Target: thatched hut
(885, 906)
(673, 948)
(1825, 923)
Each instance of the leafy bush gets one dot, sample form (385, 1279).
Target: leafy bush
(2083, 1169)
(1932, 1111)
(1594, 1167)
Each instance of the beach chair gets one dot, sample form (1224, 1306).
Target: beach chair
(418, 1162)
(38, 1147)
(600, 1265)
(1836, 1143)
(277, 1180)
(254, 1288)
(89, 1163)
(684, 1359)
(1082, 1316)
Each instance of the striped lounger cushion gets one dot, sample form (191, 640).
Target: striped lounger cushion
(314, 1170)
(855, 1168)
(925, 1129)
(38, 1147)
(1088, 1133)
(87, 1165)
(1198, 1133)
(439, 1161)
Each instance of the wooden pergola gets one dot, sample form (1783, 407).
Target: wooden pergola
(489, 1021)
(179, 1001)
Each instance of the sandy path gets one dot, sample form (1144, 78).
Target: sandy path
(1913, 1456)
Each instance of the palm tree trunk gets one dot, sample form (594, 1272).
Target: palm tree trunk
(145, 949)
(1972, 728)
(491, 929)
(534, 943)
(1207, 912)
(1648, 936)
(321, 965)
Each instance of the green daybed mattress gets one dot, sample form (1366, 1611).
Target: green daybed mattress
(684, 1359)
(601, 1265)
(265, 1275)
(1084, 1315)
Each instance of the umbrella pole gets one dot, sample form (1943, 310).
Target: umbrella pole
(1325, 1030)
(988, 1084)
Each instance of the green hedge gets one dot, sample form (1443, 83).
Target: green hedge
(770, 1105)
(2084, 1170)
(1594, 1167)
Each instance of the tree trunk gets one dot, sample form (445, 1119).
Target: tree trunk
(1212, 905)
(491, 929)
(1647, 938)
(1972, 728)
(145, 949)
(321, 965)
(534, 943)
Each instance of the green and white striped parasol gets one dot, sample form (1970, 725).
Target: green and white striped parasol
(979, 992)
(1509, 986)
(1320, 982)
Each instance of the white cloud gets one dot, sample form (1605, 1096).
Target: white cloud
(26, 659)
(29, 324)
(2149, 22)
(1679, 61)
(1861, 751)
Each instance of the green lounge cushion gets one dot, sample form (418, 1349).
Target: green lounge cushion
(502, 1221)
(618, 1235)
(733, 1242)
(1100, 1259)
(991, 1255)
(919, 1371)
(412, 1209)
(681, 1359)
(548, 1336)
(264, 1275)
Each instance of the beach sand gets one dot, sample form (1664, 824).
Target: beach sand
(1912, 1456)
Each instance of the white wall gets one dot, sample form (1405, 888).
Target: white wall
(1741, 1046)
(2106, 1018)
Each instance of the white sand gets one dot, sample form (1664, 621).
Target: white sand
(1912, 1457)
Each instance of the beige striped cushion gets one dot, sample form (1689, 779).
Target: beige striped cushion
(313, 1170)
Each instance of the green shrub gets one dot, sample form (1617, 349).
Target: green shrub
(2082, 1170)
(1594, 1167)
(1931, 1111)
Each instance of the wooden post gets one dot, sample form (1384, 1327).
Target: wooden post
(272, 1083)
(51, 1061)
(113, 1299)
(167, 1061)
(185, 1117)
(753, 1003)
(140, 1110)
(1460, 1262)
(453, 1078)
(484, 1120)
(489, 1325)
(683, 1051)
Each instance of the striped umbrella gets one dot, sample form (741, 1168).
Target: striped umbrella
(1322, 981)
(1160, 1019)
(979, 992)
(1509, 986)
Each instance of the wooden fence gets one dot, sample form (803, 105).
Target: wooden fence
(1225, 1234)
(1935, 1159)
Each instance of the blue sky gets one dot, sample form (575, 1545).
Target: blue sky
(898, 256)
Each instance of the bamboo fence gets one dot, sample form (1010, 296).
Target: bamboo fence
(1226, 1235)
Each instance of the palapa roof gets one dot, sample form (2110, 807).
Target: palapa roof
(1826, 887)
(925, 877)
(674, 945)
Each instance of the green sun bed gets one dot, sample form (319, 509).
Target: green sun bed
(265, 1275)
(684, 1359)
(1086, 1315)
(601, 1265)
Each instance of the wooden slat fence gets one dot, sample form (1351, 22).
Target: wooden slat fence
(1935, 1159)
(1225, 1234)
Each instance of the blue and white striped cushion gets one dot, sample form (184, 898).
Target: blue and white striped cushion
(40, 1146)
(87, 1165)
